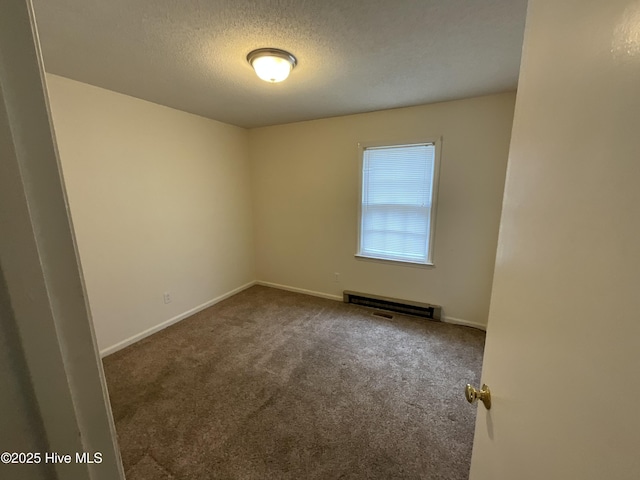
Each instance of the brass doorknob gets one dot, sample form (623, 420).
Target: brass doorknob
(484, 395)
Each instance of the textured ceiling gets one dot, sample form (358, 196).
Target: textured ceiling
(354, 55)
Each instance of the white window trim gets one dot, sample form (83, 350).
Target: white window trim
(437, 142)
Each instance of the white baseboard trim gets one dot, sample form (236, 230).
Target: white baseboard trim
(300, 290)
(150, 331)
(466, 323)
(452, 320)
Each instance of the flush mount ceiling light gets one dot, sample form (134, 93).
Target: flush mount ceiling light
(272, 64)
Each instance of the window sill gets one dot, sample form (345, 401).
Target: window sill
(405, 263)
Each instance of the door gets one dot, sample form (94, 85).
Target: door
(562, 356)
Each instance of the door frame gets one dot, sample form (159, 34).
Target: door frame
(39, 262)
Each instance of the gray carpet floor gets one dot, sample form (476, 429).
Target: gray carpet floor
(270, 384)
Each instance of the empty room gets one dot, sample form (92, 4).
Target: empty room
(318, 240)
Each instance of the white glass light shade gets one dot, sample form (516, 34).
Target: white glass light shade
(272, 65)
(272, 69)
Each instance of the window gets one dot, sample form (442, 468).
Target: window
(397, 202)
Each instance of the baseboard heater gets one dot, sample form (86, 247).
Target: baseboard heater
(406, 307)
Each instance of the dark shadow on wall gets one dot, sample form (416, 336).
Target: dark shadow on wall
(21, 428)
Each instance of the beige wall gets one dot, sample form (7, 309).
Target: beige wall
(305, 183)
(160, 201)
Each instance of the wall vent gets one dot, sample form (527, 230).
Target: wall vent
(406, 307)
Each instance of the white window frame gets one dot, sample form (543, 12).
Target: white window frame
(437, 143)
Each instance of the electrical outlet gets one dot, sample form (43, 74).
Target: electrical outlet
(336, 277)
(167, 297)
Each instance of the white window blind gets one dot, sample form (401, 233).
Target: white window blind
(397, 199)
